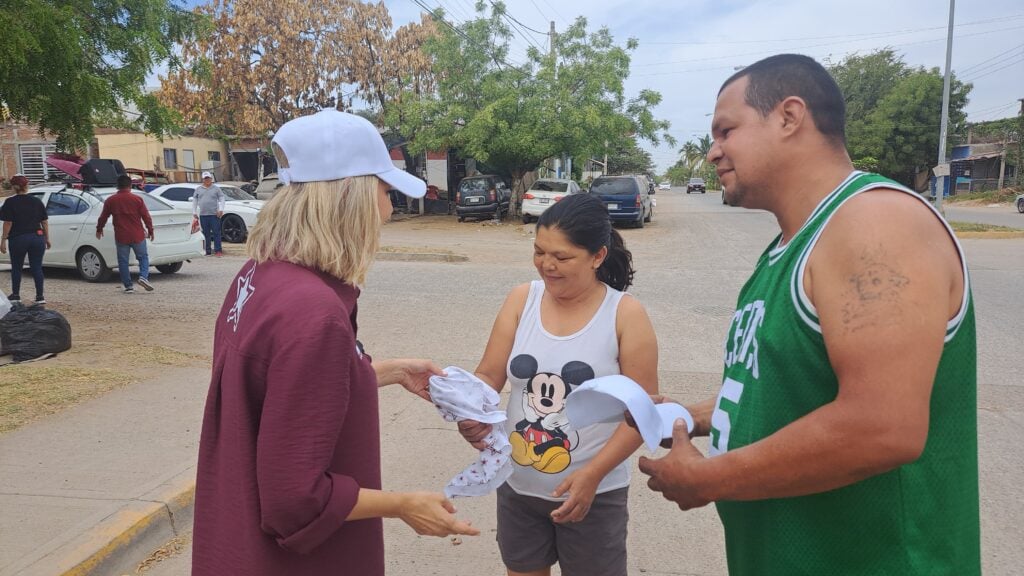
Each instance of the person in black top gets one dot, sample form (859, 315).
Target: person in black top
(24, 219)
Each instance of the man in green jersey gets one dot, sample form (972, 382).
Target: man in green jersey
(844, 437)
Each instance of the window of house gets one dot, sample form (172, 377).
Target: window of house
(170, 159)
(32, 162)
(213, 155)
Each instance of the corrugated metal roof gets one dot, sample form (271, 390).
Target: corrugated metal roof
(979, 156)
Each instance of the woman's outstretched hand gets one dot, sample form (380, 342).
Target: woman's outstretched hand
(431, 514)
(413, 374)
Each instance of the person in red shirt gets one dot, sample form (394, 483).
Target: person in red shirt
(289, 473)
(130, 213)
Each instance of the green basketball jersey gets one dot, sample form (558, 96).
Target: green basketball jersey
(921, 518)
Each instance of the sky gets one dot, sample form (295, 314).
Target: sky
(688, 48)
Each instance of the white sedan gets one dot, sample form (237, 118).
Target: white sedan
(240, 209)
(73, 214)
(543, 194)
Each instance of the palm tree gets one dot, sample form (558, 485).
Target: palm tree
(690, 155)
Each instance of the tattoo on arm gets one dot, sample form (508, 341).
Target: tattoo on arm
(874, 294)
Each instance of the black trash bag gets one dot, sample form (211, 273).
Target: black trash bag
(30, 332)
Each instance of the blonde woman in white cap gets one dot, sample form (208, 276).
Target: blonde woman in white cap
(289, 458)
(208, 208)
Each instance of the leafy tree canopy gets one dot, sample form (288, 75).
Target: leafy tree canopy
(66, 63)
(894, 111)
(628, 158)
(515, 115)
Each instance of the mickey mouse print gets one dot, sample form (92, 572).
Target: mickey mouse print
(543, 439)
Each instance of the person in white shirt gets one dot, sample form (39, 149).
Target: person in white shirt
(208, 208)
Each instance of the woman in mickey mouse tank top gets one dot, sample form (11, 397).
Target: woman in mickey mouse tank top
(566, 501)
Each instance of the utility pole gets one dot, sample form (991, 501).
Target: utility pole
(1020, 143)
(939, 182)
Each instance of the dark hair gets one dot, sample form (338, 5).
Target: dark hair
(124, 181)
(584, 220)
(778, 77)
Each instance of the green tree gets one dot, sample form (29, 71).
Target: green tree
(893, 112)
(628, 158)
(514, 116)
(903, 129)
(64, 64)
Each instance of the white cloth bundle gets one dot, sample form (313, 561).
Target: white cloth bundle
(462, 396)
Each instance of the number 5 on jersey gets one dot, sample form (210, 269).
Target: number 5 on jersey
(726, 407)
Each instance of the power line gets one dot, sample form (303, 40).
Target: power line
(555, 10)
(539, 10)
(772, 51)
(999, 107)
(1019, 60)
(499, 61)
(973, 66)
(980, 70)
(864, 35)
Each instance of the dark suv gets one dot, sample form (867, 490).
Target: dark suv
(695, 185)
(627, 198)
(482, 196)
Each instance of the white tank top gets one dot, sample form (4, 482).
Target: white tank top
(542, 370)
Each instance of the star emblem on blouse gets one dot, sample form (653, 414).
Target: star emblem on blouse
(244, 290)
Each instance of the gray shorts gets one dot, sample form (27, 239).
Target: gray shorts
(529, 540)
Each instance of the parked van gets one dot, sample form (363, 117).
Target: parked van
(627, 198)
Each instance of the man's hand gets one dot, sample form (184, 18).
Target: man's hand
(151, 235)
(657, 399)
(677, 474)
(3, 246)
(99, 234)
(220, 213)
(48, 245)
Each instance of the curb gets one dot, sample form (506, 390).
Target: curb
(120, 541)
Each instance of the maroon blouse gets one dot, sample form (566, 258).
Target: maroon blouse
(290, 432)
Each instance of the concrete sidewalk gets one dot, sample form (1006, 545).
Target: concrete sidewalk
(83, 490)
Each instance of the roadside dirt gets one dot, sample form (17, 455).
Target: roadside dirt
(121, 339)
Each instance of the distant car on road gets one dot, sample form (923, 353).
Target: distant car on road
(240, 209)
(543, 194)
(665, 186)
(1020, 203)
(482, 196)
(695, 185)
(627, 198)
(73, 214)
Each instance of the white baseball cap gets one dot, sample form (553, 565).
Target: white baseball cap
(332, 145)
(207, 175)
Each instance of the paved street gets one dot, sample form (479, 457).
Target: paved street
(691, 262)
(1004, 215)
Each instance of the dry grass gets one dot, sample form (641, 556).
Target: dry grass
(158, 355)
(30, 391)
(966, 230)
(169, 550)
(413, 250)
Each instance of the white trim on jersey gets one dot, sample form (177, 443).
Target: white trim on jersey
(779, 249)
(802, 302)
